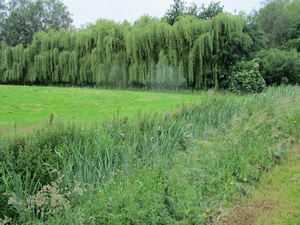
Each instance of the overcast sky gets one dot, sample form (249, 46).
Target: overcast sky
(88, 11)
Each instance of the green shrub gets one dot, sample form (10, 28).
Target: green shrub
(291, 44)
(280, 67)
(246, 78)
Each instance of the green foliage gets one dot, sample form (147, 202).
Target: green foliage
(211, 11)
(2, 10)
(274, 20)
(15, 29)
(279, 67)
(148, 196)
(148, 54)
(25, 17)
(179, 10)
(246, 78)
(291, 44)
(175, 11)
(293, 37)
(278, 19)
(294, 31)
(259, 38)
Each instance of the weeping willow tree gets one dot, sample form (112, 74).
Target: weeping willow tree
(137, 74)
(83, 43)
(85, 73)
(12, 64)
(43, 41)
(143, 44)
(7, 62)
(41, 58)
(29, 55)
(98, 67)
(192, 52)
(64, 70)
(42, 67)
(185, 32)
(200, 62)
(149, 53)
(115, 54)
(66, 40)
(108, 59)
(99, 64)
(54, 54)
(227, 33)
(164, 72)
(73, 67)
(118, 75)
(209, 58)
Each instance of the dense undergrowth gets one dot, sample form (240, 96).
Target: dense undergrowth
(182, 168)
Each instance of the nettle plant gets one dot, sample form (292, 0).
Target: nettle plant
(246, 78)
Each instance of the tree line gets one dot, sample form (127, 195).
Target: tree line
(149, 53)
(190, 47)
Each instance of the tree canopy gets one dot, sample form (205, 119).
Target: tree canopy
(22, 18)
(179, 10)
(277, 18)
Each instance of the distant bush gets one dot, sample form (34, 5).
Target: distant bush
(292, 44)
(245, 77)
(280, 67)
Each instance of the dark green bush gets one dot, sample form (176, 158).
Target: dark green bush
(280, 67)
(291, 44)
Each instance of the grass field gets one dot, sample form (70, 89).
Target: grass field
(25, 106)
(185, 169)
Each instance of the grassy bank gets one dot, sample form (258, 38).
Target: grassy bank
(148, 169)
(276, 198)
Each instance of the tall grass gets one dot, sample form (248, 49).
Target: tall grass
(181, 168)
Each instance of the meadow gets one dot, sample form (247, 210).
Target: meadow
(29, 106)
(114, 157)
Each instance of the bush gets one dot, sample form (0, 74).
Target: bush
(245, 77)
(280, 67)
(291, 44)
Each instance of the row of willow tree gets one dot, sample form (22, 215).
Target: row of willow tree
(150, 53)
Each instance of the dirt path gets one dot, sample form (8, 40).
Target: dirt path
(275, 201)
